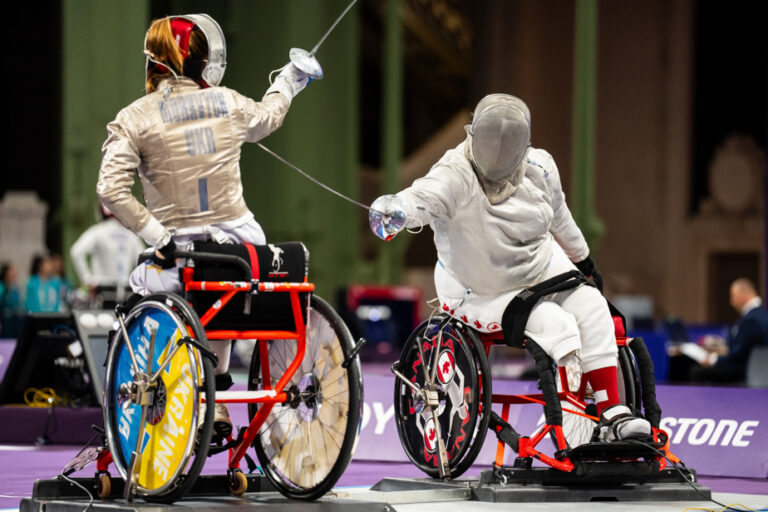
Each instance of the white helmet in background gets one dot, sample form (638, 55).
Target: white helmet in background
(497, 142)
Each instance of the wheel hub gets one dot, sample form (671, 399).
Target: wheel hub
(144, 392)
(156, 409)
(310, 397)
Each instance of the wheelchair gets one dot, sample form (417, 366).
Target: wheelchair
(304, 393)
(443, 398)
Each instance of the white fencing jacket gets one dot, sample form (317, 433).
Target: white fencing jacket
(105, 254)
(494, 249)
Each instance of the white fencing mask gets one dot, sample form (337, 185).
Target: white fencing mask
(497, 142)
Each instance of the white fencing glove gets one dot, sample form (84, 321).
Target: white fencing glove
(290, 82)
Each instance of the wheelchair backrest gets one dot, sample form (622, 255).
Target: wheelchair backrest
(284, 262)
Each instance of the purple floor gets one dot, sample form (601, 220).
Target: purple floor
(20, 465)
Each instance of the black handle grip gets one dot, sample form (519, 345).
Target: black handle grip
(224, 259)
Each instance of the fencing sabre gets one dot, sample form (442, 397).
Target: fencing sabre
(386, 225)
(306, 62)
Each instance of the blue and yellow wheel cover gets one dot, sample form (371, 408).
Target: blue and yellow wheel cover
(172, 419)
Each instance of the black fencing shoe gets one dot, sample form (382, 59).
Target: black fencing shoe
(222, 425)
(617, 424)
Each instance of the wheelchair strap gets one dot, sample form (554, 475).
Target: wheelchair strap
(515, 316)
(254, 260)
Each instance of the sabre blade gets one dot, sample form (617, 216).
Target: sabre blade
(310, 178)
(328, 32)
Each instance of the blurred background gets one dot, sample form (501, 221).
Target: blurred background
(654, 110)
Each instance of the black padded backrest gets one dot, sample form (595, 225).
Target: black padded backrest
(285, 262)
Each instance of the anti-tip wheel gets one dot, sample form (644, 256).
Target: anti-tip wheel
(103, 486)
(238, 483)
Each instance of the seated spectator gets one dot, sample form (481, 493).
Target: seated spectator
(750, 331)
(42, 296)
(10, 302)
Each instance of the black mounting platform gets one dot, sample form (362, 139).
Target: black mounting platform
(620, 481)
(604, 482)
(209, 494)
(206, 485)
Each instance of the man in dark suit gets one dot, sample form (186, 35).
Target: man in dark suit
(750, 331)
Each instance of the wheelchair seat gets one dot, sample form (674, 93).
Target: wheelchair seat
(283, 262)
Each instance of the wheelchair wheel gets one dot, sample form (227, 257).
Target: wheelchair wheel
(463, 379)
(158, 447)
(305, 446)
(578, 429)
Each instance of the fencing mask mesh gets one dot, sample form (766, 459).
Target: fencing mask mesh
(497, 142)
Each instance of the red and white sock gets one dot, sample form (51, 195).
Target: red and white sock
(603, 382)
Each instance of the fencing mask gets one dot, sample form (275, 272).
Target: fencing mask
(497, 141)
(212, 68)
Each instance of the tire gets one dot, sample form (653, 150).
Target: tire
(484, 404)
(465, 384)
(628, 380)
(578, 429)
(295, 465)
(176, 445)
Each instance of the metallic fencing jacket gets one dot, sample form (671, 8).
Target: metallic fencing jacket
(185, 142)
(494, 248)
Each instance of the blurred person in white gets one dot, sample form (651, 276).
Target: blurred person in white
(184, 138)
(501, 225)
(104, 256)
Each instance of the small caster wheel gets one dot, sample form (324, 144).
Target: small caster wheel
(103, 486)
(238, 483)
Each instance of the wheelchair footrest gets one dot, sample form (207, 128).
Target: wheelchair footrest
(615, 450)
(584, 473)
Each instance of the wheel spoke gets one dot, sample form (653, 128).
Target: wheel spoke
(330, 398)
(338, 439)
(166, 362)
(319, 426)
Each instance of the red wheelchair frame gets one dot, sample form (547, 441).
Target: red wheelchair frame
(414, 395)
(527, 444)
(267, 398)
(262, 401)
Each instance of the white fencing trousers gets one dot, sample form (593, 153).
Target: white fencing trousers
(561, 323)
(149, 278)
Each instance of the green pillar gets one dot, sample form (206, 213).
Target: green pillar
(582, 197)
(320, 133)
(102, 71)
(391, 255)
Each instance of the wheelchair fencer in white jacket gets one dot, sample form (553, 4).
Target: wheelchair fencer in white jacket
(501, 224)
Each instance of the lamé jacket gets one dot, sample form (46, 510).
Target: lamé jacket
(184, 141)
(494, 248)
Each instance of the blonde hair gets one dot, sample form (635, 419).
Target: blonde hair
(162, 48)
